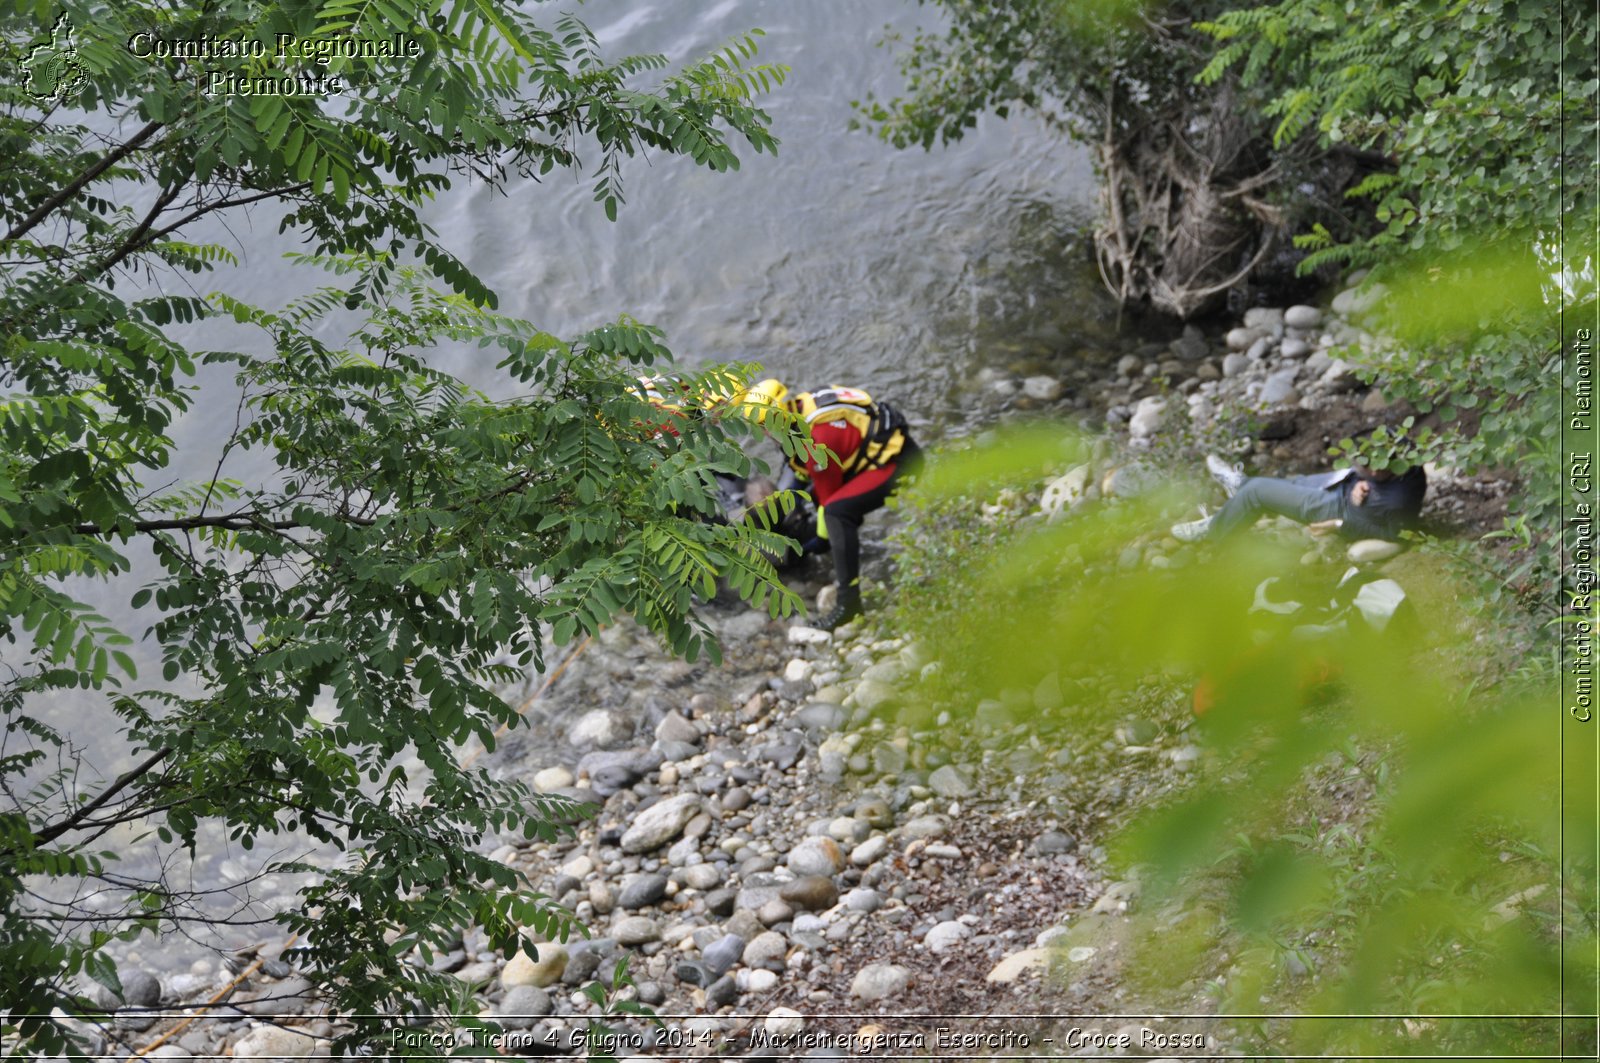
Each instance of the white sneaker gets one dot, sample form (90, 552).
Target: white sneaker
(1193, 530)
(1231, 477)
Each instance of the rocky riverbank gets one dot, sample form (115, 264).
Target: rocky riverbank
(790, 864)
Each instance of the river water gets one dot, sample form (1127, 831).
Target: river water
(839, 260)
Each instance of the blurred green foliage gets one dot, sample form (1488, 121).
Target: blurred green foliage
(1376, 823)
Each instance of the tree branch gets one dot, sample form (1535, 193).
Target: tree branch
(77, 184)
(56, 830)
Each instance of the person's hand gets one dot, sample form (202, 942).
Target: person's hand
(1359, 493)
(1323, 527)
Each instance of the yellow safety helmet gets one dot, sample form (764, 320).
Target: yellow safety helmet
(759, 398)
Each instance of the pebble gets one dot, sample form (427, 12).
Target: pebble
(635, 930)
(660, 823)
(1304, 317)
(784, 1022)
(926, 827)
(1148, 417)
(1042, 388)
(949, 781)
(674, 728)
(811, 893)
(1017, 964)
(274, 1042)
(870, 851)
(815, 856)
(723, 953)
(862, 899)
(759, 981)
(767, 950)
(521, 1005)
(946, 936)
(1234, 364)
(809, 636)
(641, 891)
(879, 981)
(545, 970)
(702, 877)
(599, 728)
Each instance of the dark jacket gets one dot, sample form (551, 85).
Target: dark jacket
(1392, 505)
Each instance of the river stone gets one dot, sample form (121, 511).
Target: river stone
(1370, 550)
(582, 966)
(925, 827)
(821, 716)
(599, 728)
(702, 877)
(1263, 317)
(1294, 348)
(1065, 491)
(552, 779)
(1148, 417)
(812, 893)
(719, 994)
(802, 635)
(816, 856)
(783, 753)
(1017, 964)
(641, 891)
(169, 1052)
(784, 1023)
(1129, 364)
(767, 949)
(1279, 387)
(521, 1006)
(284, 998)
(1042, 388)
(1306, 317)
(635, 930)
(946, 935)
(949, 781)
(723, 953)
(870, 851)
(873, 694)
(889, 759)
(1191, 346)
(775, 911)
(848, 830)
(1234, 364)
(542, 970)
(861, 899)
(674, 728)
(274, 1042)
(878, 981)
(660, 823)
(1241, 338)
(1053, 841)
(760, 981)
(1339, 377)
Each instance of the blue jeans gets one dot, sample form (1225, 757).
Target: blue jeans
(1301, 498)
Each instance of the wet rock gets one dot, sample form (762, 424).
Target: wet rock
(879, 981)
(541, 968)
(812, 893)
(816, 856)
(660, 823)
(522, 1006)
(641, 891)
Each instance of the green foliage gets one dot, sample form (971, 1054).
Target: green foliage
(418, 542)
(1374, 825)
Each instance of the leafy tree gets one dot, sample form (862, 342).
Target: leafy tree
(1484, 113)
(1188, 174)
(361, 605)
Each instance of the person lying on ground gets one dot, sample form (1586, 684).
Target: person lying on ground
(1357, 503)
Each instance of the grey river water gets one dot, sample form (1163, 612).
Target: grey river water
(840, 260)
